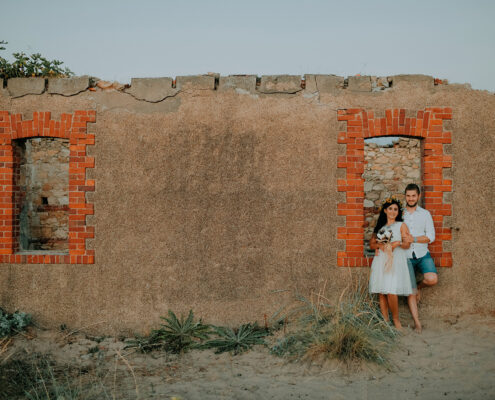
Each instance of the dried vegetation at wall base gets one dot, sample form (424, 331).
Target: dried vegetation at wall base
(351, 332)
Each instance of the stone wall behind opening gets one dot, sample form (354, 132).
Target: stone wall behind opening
(389, 169)
(43, 181)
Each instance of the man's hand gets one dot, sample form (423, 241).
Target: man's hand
(408, 238)
(423, 239)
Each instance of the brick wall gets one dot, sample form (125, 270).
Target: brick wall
(426, 124)
(71, 127)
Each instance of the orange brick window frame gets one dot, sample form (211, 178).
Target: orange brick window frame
(427, 124)
(74, 128)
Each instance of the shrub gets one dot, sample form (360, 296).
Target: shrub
(34, 65)
(13, 323)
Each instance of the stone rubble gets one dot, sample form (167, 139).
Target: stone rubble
(44, 184)
(389, 169)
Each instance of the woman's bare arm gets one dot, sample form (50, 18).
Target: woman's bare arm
(374, 245)
(406, 242)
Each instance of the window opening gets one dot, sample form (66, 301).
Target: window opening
(391, 163)
(41, 201)
(436, 164)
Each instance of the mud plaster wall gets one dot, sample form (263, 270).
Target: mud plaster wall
(218, 200)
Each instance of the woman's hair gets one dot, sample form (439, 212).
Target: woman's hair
(382, 218)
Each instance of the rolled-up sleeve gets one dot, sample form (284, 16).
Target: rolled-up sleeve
(430, 229)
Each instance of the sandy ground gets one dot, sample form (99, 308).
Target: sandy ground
(452, 359)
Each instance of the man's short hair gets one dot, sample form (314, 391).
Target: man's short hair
(413, 186)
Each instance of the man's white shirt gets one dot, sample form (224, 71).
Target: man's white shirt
(419, 223)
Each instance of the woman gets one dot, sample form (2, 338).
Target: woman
(390, 276)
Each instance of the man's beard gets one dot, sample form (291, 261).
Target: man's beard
(412, 205)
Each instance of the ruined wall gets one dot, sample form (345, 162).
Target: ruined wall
(221, 194)
(389, 169)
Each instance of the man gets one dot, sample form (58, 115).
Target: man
(422, 232)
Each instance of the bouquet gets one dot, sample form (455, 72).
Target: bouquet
(384, 236)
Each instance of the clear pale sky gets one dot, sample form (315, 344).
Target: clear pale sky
(117, 40)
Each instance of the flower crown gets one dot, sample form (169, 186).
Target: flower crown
(390, 200)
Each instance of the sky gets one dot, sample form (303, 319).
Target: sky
(118, 40)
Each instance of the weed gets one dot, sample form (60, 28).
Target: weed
(176, 335)
(13, 323)
(93, 350)
(237, 340)
(293, 345)
(144, 344)
(346, 342)
(36, 378)
(354, 330)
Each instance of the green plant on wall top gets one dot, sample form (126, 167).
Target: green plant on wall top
(35, 65)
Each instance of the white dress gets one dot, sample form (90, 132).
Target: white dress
(398, 279)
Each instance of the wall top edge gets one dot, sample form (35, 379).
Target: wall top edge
(157, 89)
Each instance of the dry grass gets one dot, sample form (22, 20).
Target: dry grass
(38, 377)
(352, 331)
(347, 343)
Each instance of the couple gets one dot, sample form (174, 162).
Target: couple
(392, 270)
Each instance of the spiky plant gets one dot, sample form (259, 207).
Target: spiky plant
(179, 335)
(237, 340)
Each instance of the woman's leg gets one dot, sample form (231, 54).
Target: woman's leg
(393, 304)
(384, 306)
